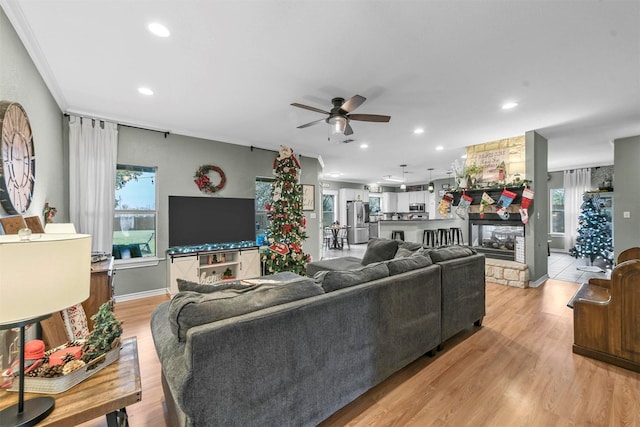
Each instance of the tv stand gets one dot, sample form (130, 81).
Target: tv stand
(211, 263)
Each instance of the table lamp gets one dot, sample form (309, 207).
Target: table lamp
(38, 277)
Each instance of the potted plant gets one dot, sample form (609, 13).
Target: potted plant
(471, 173)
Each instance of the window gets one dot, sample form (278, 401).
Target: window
(263, 195)
(374, 205)
(557, 210)
(328, 209)
(134, 222)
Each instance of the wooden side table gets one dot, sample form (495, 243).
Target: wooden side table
(108, 393)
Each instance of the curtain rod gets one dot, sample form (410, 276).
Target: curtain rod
(165, 132)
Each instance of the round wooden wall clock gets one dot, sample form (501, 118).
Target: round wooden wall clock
(18, 166)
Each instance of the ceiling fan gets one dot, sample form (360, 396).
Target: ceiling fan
(340, 115)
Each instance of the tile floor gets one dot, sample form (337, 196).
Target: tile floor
(562, 266)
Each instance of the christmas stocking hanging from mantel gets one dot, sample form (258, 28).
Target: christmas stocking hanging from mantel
(485, 202)
(527, 197)
(463, 205)
(445, 203)
(506, 198)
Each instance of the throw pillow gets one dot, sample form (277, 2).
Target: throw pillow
(413, 262)
(334, 280)
(379, 249)
(185, 285)
(75, 322)
(188, 309)
(450, 252)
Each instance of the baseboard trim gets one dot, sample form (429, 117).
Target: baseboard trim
(139, 295)
(539, 282)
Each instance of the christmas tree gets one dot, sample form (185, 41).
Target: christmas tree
(594, 235)
(287, 223)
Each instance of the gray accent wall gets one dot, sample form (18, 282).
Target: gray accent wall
(177, 158)
(21, 82)
(626, 197)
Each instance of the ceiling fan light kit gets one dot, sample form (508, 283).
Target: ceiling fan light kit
(339, 116)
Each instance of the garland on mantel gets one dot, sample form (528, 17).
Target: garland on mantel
(204, 182)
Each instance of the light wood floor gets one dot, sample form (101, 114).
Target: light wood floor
(516, 370)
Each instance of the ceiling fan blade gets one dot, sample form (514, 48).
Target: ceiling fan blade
(306, 107)
(311, 123)
(348, 130)
(369, 117)
(352, 103)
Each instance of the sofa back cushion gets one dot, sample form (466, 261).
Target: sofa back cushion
(379, 249)
(334, 280)
(450, 252)
(413, 262)
(188, 309)
(407, 249)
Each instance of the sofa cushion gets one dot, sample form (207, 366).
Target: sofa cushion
(186, 285)
(450, 252)
(188, 309)
(335, 264)
(334, 280)
(407, 249)
(413, 262)
(379, 249)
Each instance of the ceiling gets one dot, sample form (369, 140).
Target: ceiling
(230, 70)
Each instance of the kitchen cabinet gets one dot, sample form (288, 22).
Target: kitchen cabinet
(389, 202)
(417, 196)
(349, 194)
(403, 202)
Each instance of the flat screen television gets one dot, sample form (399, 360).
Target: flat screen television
(201, 220)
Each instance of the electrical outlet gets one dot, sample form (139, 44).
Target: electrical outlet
(626, 214)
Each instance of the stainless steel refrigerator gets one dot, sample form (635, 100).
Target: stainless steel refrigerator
(358, 222)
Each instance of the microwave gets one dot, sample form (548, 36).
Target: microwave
(416, 207)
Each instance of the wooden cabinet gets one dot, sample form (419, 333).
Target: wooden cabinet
(101, 288)
(212, 266)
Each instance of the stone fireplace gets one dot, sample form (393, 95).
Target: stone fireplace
(498, 238)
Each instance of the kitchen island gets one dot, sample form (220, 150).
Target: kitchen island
(413, 228)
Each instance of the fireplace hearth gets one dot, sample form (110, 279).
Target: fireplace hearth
(497, 238)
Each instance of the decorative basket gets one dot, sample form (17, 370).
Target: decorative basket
(65, 382)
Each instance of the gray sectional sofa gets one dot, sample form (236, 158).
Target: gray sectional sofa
(287, 350)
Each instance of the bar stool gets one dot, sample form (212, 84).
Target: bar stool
(397, 235)
(429, 238)
(443, 236)
(456, 235)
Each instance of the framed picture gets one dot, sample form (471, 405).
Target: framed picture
(308, 197)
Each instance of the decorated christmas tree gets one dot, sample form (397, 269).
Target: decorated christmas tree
(287, 223)
(594, 235)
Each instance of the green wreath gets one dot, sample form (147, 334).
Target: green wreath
(204, 182)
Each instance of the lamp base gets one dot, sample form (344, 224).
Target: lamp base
(35, 410)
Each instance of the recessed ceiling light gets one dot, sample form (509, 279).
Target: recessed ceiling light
(509, 105)
(464, 156)
(335, 174)
(364, 145)
(439, 148)
(145, 91)
(159, 29)
(418, 131)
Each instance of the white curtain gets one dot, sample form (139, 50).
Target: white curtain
(93, 148)
(576, 182)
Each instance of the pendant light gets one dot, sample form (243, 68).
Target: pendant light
(431, 186)
(403, 186)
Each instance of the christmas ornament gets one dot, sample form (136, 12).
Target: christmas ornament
(445, 203)
(506, 198)
(485, 202)
(463, 205)
(527, 197)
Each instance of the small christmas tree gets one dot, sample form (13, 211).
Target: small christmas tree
(594, 235)
(106, 329)
(287, 223)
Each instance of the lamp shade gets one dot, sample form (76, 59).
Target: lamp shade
(65, 228)
(42, 276)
